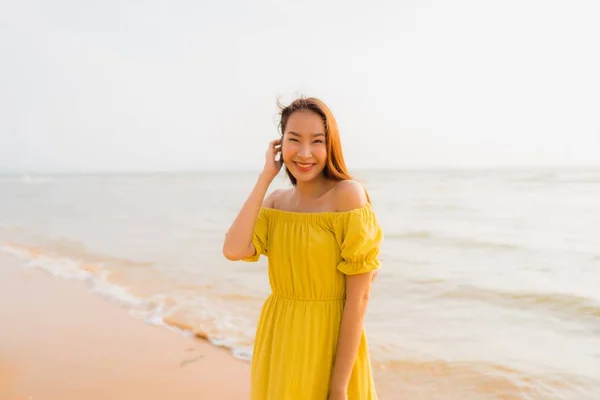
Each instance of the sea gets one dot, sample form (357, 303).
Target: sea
(489, 286)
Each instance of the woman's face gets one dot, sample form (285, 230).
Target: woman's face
(303, 145)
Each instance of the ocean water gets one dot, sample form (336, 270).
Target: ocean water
(490, 285)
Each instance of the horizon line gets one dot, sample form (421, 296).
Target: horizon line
(257, 170)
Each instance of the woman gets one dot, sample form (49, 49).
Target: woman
(322, 241)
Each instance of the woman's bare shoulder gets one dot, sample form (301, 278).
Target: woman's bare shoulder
(275, 197)
(349, 195)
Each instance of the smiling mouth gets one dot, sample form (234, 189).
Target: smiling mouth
(304, 166)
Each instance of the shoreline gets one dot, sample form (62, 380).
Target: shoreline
(59, 341)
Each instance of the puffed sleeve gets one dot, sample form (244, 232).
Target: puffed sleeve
(361, 236)
(260, 236)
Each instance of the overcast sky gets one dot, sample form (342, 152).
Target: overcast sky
(116, 85)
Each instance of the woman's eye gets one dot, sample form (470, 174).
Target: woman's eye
(292, 139)
(318, 141)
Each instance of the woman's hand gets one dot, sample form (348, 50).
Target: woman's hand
(337, 395)
(272, 165)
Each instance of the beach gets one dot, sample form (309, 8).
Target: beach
(60, 342)
(488, 287)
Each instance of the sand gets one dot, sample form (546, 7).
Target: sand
(60, 342)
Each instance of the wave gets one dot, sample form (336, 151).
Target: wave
(95, 275)
(466, 380)
(451, 240)
(484, 244)
(411, 235)
(558, 177)
(190, 317)
(564, 303)
(27, 179)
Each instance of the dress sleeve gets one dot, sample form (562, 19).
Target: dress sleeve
(361, 236)
(260, 236)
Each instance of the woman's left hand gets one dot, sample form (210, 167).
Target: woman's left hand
(337, 395)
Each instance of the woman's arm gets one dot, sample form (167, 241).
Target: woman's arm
(358, 288)
(238, 239)
(351, 195)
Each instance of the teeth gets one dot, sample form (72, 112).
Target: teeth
(304, 165)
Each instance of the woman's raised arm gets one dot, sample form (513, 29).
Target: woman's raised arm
(238, 239)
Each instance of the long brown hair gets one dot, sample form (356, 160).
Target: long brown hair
(335, 169)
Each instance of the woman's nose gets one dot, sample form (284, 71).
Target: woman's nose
(305, 152)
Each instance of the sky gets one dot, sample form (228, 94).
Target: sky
(193, 85)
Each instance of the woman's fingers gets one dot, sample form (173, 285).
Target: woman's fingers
(275, 145)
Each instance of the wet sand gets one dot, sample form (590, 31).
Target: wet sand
(58, 341)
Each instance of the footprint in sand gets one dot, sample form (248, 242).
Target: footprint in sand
(191, 360)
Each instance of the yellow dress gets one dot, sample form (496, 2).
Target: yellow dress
(298, 328)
